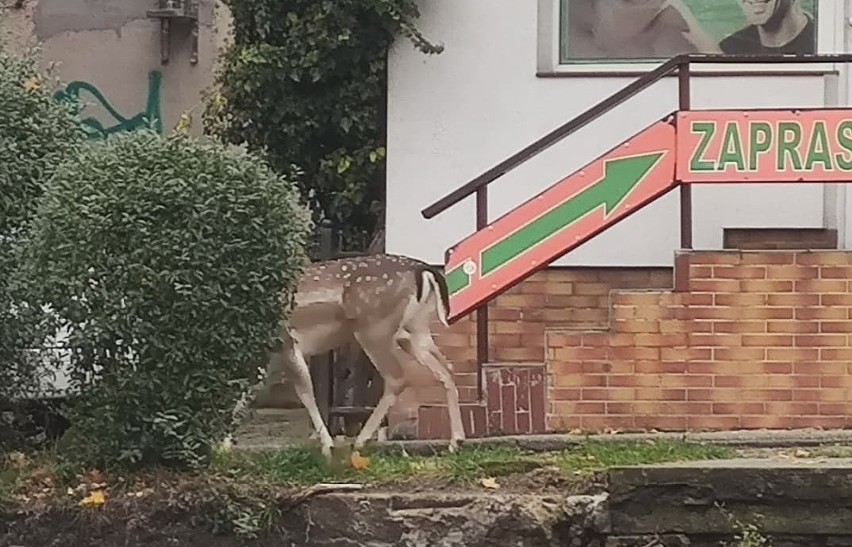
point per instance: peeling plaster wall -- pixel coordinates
(107, 50)
(111, 47)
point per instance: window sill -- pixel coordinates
(632, 70)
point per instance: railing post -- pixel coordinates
(685, 100)
(482, 311)
(324, 373)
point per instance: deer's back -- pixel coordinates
(335, 297)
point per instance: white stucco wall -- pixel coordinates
(455, 115)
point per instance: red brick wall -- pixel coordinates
(756, 340)
(555, 297)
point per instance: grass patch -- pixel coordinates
(297, 467)
(597, 455)
(300, 466)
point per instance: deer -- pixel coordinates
(382, 302)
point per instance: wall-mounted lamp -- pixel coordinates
(177, 11)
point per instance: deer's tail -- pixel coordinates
(431, 281)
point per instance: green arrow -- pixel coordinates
(621, 176)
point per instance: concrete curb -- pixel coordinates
(549, 443)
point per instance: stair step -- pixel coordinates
(433, 421)
(515, 403)
(752, 239)
(512, 364)
(807, 500)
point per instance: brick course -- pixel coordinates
(556, 297)
(754, 340)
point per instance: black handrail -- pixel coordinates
(583, 119)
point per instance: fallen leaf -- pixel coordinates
(96, 498)
(576, 432)
(490, 482)
(802, 453)
(18, 459)
(358, 461)
(424, 466)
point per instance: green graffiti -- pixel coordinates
(148, 118)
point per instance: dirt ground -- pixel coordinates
(164, 509)
(224, 511)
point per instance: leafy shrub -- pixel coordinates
(36, 133)
(306, 82)
(166, 259)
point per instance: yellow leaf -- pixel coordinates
(358, 461)
(490, 482)
(96, 498)
(32, 84)
(184, 124)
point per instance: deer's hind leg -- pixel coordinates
(416, 340)
(381, 349)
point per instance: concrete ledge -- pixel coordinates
(808, 498)
(544, 443)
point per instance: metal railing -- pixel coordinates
(679, 65)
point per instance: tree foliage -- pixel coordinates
(36, 134)
(305, 81)
(166, 260)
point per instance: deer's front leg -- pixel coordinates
(296, 367)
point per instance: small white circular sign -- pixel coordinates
(469, 267)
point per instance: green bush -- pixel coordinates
(168, 260)
(36, 134)
(306, 82)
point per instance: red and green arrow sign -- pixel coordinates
(561, 218)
